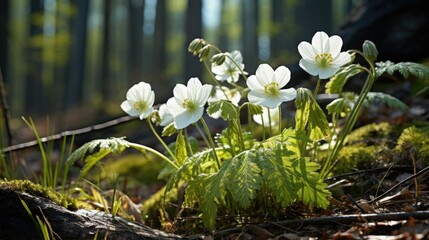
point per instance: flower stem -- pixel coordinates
(280, 119)
(145, 148)
(327, 167)
(161, 141)
(206, 128)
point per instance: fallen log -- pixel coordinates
(16, 222)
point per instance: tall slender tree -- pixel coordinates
(77, 63)
(105, 57)
(135, 39)
(250, 20)
(194, 30)
(4, 19)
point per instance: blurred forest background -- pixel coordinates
(74, 60)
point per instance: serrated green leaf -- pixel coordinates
(278, 180)
(313, 190)
(318, 123)
(387, 99)
(94, 151)
(243, 186)
(337, 82)
(181, 152)
(169, 130)
(404, 68)
(228, 111)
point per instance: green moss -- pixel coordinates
(156, 209)
(357, 156)
(140, 168)
(414, 140)
(370, 131)
(39, 191)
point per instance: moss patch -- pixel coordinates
(39, 191)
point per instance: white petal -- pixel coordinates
(318, 41)
(282, 74)
(271, 102)
(335, 43)
(327, 72)
(236, 55)
(186, 118)
(311, 67)
(180, 92)
(342, 59)
(256, 97)
(306, 50)
(127, 108)
(146, 113)
(203, 95)
(264, 74)
(287, 94)
(253, 84)
(173, 108)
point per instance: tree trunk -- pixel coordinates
(77, 64)
(193, 68)
(135, 48)
(4, 28)
(16, 223)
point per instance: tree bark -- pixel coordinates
(16, 223)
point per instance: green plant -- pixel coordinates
(235, 173)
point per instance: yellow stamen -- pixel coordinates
(324, 59)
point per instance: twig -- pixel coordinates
(379, 169)
(343, 219)
(426, 169)
(69, 133)
(5, 109)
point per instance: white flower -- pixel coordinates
(265, 87)
(140, 99)
(224, 93)
(228, 70)
(322, 57)
(164, 114)
(187, 105)
(273, 115)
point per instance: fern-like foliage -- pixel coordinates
(404, 68)
(95, 150)
(337, 82)
(288, 178)
(379, 97)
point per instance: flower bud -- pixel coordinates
(195, 46)
(218, 59)
(204, 52)
(369, 50)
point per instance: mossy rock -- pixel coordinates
(414, 142)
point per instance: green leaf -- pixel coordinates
(169, 130)
(94, 151)
(181, 152)
(337, 82)
(279, 181)
(206, 189)
(404, 68)
(228, 111)
(312, 190)
(302, 101)
(243, 186)
(254, 109)
(342, 105)
(308, 111)
(387, 99)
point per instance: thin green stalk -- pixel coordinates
(202, 134)
(239, 68)
(216, 82)
(161, 141)
(327, 167)
(144, 148)
(206, 128)
(188, 143)
(280, 119)
(270, 126)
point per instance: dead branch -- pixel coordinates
(16, 223)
